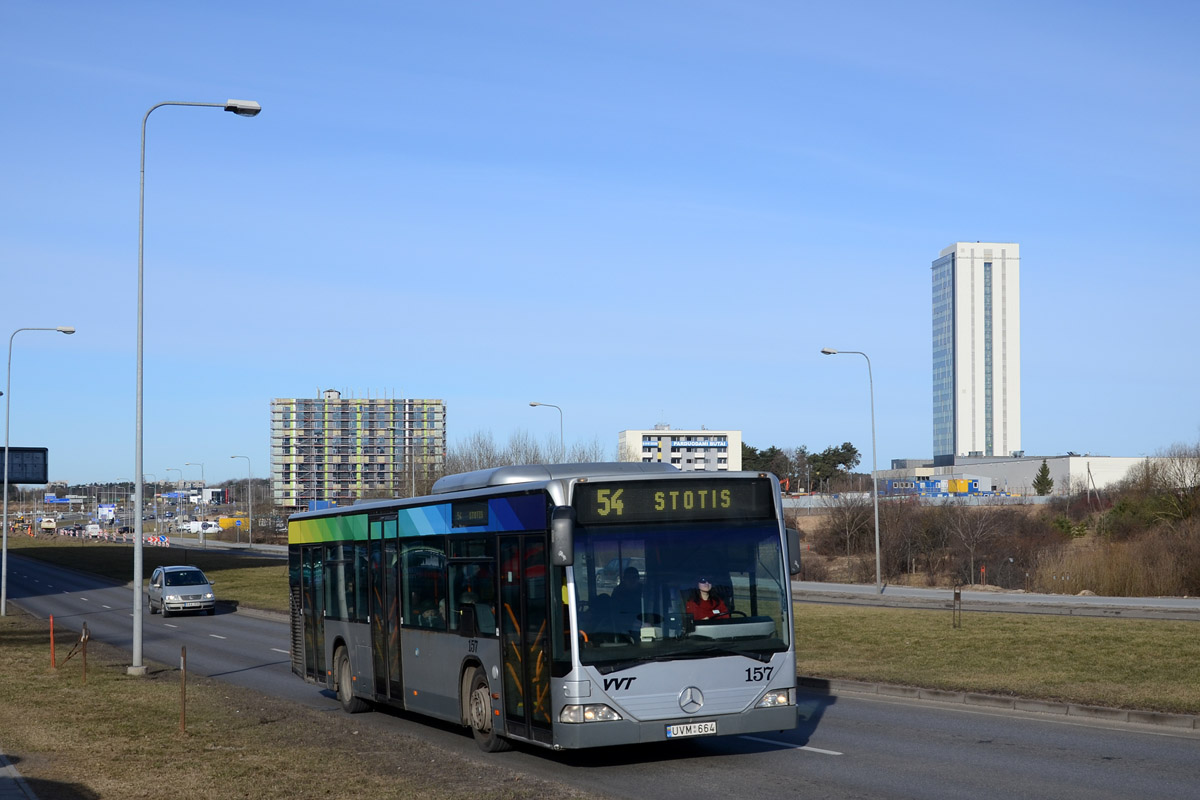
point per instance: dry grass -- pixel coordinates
(1156, 564)
(1125, 663)
(118, 736)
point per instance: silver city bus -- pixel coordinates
(569, 605)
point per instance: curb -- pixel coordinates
(976, 699)
(18, 789)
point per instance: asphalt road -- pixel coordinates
(849, 746)
(1184, 608)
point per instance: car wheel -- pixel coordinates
(479, 715)
(345, 684)
(166, 612)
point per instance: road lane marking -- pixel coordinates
(215, 636)
(277, 650)
(105, 606)
(822, 752)
(169, 625)
(800, 747)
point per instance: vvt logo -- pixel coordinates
(618, 684)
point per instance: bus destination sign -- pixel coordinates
(617, 502)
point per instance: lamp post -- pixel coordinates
(243, 108)
(178, 507)
(561, 448)
(829, 351)
(67, 329)
(203, 486)
(154, 493)
(249, 502)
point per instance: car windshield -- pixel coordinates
(187, 577)
(640, 596)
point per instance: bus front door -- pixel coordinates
(312, 609)
(525, 635)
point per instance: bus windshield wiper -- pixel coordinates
(711, 650)
(618, 666)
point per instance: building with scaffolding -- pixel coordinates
(335, 450)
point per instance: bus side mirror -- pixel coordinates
(562, 536)
(793, 551)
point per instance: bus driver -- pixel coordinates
(703, 603)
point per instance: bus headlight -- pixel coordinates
(593, 713)
(776, 697)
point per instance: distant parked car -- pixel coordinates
(124, 529)
(175, 589)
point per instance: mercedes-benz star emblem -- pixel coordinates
(691, 700)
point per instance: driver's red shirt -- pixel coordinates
(706, 609)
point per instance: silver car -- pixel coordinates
(174, 589)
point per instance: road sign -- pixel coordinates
(27, 465)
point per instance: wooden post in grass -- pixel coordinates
(52, 664)
(83, 640)
(956, 613)
(183, 689)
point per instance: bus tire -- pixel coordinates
(345, 684)
(479, 715)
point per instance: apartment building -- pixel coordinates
(689, 450)
(338, 450)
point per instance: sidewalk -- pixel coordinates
(12, 785)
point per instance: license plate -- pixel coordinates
(691, 729)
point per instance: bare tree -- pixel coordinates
(1179, 483)
(973, 526)
(588, 452)
(480, 451)
(850, 517)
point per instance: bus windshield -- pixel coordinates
(662, 592)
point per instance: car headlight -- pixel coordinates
(208, 595)
(592, 713)
(776, 697)
(172, 598)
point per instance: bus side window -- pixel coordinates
(474, 584)
(423, 567)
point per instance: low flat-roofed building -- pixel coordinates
(1015, 474)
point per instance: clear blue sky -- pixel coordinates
(641, 212)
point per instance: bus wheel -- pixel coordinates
(345, 686)
(479, 713)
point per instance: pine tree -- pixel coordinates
(1043, 484)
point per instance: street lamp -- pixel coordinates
(829, 351)
(203, 486)
(154, 492)
(561, 448)
(243, 108)
(178, 492)
(67, 329)
(249, 501)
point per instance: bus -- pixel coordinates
(549, 604)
